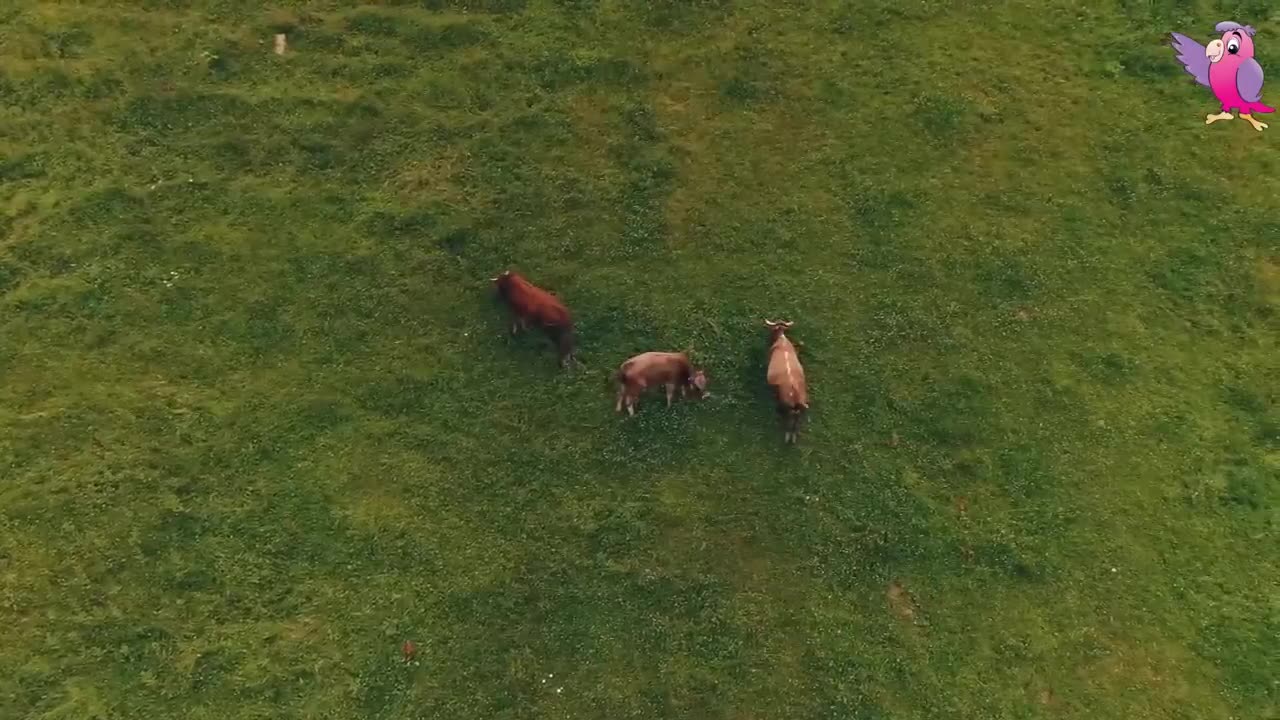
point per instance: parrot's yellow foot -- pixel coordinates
(1214, 118)
(1256, 125)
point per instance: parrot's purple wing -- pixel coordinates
(1249, 81)
(1191, 55)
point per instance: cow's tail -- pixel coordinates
(795, 416)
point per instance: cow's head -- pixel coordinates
(697, 383)
(502, 279)
(777, 328)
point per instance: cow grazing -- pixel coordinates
(531, 305)
(786, 376)
(651, 369)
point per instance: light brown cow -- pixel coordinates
(786, 376)
(651, 369)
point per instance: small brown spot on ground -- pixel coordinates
(962, 506)
(901, 602)
(282, 42)
(893, 441)
(1024, 314)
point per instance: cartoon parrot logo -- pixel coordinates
(1226, 66)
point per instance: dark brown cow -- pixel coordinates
(786, 377)
(531, 305)
(651, 369)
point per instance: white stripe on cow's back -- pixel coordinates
(787, 354)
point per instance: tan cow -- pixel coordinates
(651, 369)
(786, 376)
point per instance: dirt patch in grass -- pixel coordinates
(901, 603)
(434, 177)
(1047, 698)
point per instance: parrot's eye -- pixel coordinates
(1233, 47)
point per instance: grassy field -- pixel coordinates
(260, 422)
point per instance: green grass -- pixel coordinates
(260, 422)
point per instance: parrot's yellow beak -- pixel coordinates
(1214, 51)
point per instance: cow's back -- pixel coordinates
(786, 374)
(654, 366)
(784, 364)
(536, 304)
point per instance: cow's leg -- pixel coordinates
(633, 394)
(671, 391)
(622, 397)
(564, 343)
